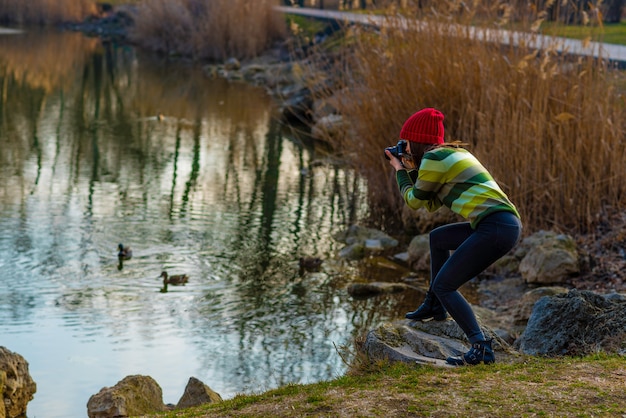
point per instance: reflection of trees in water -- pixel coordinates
(92, 150)
(109, 92)
(45, 60)
(195, 166)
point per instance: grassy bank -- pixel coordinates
(550, 127)
(567, 387)
(614, 33)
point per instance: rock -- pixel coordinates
(575, 323)
(232, 64)
(352, 252)
(17, 386)
(375, 288)
(505, 266)
(323, 107)
(373, 244)
(255, 73)
(524, 308)
(132, 396)
(398, 341)
(3, 383)
(495, 321)
(402, 257)
(383, 263)
(551, 258)
(356, 233)
(197, 393)
(358, 238)
(297, 106)
(414, 341)
(419, 253)
(330, 126)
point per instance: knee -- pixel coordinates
(438, 290)
(441, 289)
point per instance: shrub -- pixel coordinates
(209, 29)
(45, 12)
(550, 127)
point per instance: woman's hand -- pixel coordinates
(396, 163)
(408, 163)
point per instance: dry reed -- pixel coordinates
(549, 127)
(208, 29)
(45, 12)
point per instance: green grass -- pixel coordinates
(614, 33)
(564, 387)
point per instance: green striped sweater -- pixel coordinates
(455, 178)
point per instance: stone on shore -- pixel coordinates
(16, 384)
(418, 342)
(197, 393)
(576, 323)
(375, 288)
(551, 258)
(132, 396)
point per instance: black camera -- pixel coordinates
(398, 151)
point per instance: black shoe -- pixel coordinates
(481, 352)
(431, 308)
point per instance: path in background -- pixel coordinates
(614, 53)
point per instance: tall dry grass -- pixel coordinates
(45, 12)
(208, 29)
(549, 127)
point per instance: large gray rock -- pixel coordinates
(16, 384)
(545, 257)
(576, 323)
(419, 342)
(132, 396)
(197, 393)
(550, 258)
(525, 306)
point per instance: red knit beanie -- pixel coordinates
(425, 127)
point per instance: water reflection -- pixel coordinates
(100, 146)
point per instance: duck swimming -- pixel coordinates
(175, 280)
(125, 252)
(309, 264)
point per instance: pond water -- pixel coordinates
(99, 146)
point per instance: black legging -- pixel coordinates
(474, 251)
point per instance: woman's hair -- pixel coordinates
(455, 144)
(418, 149)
